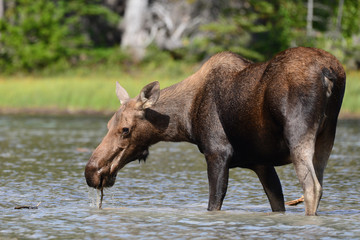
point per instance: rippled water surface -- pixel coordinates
(42, 159)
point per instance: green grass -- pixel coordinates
(94, 89)
(351, 102)
(83, 89)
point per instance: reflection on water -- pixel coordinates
(42, 160)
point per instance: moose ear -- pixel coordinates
(121, 93)
(149, 95)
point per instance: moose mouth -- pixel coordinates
(106, 180)
(106, 175)
(99, 179)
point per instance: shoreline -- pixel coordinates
(344, 115)
(54, 112)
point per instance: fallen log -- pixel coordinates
(295, 202)
(28, 206)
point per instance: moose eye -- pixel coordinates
(125, 131)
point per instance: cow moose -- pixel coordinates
(239, 114)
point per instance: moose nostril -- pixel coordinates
(92, 176)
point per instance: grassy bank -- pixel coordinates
(94, 90)
(351, 102)
(83, 89)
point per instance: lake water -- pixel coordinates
(42, 159)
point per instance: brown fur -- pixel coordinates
(239, 114)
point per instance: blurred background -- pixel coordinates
(67, 54)
(63, 57)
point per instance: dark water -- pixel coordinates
(42, 160)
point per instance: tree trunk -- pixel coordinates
(309, 19)
(339, 16)
(2, 7)
(134, 36)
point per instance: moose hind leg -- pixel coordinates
(302, 155)
(272, 186)
(323, 147)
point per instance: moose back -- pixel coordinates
(239, 114)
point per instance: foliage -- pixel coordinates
(351, 18)
(53, 35)
(259, 29)
(256, 29)
(41, 38)
(344, 43)
(226, 34)
(30, 40)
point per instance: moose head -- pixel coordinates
(128, 137)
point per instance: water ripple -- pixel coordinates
(166, 198)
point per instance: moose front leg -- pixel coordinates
(218, 175)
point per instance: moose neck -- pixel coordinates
(171, 114)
